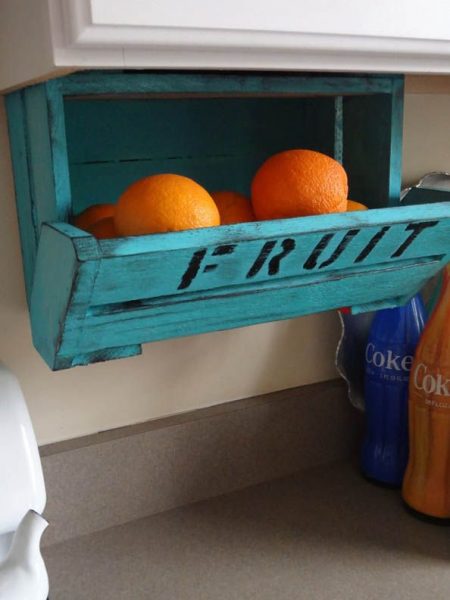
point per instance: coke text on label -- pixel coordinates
(390, 360)
(431, 383)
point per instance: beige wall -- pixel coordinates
(426, 144)
(179, 375)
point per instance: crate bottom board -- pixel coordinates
(112, 332)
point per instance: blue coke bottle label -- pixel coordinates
(389, 355)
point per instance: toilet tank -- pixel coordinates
(21, 479)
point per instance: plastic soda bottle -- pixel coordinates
(426, 487)
(392, 341)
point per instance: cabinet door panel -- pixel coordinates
(384, 18)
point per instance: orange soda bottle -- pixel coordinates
(426, 485)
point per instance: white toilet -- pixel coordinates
(22, 495)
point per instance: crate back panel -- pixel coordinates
(221, 142)
(218, 142)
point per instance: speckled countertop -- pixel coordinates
(325, 534)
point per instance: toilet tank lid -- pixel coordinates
(21, 475)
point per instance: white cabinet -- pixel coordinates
(43, 37)
(384, 18)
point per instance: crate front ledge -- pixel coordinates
(96, 300)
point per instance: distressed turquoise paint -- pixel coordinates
(62, 313)
(396, 143)
(257, 303)
(39, 156)
(102, 82)
(339, 129)
(132, 276)
(269, 229)
(57, 132)
(154, 136)
(56, 272)
(97, 300)
(24, 200)
(381, 304)
(120, 303)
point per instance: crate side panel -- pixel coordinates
(219, 142)
(62, 289)
(24, 193)
(268, 302)
(40, 155)
(56, 271)
(371, 149)
(210, 263)
(57, 127)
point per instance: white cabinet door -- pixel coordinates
(414, 19)
(364, 35)
(40, 38)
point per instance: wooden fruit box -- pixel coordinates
(82, 139)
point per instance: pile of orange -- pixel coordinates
(352, 205)
(299, 183)
(233, 208)
(293, 183)
(98, 220)
(163, 203)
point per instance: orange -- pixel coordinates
(162, 203)
(94, 213)
(103, 229)
(298, 183)
(352, 205)
(233, 207)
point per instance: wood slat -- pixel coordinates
(396, 142)
(214, 83)
(260, 303)
(59, 159)
(107, 130)
(40, 156)
(234, 261)
(24, 200)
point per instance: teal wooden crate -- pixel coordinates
(83, 139)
